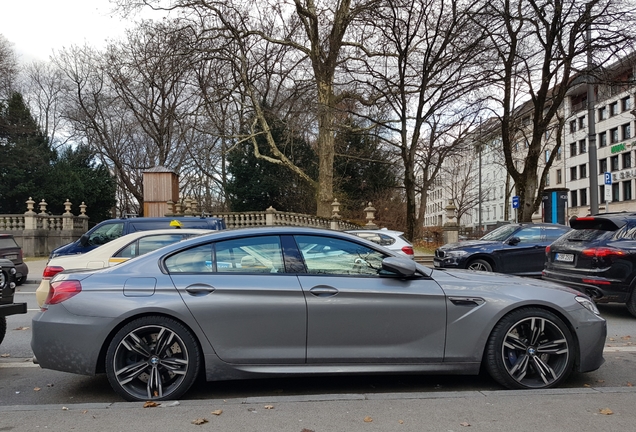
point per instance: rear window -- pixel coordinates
(7, 242)
(588, 235)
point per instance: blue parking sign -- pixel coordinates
(608, 178)
(515, 202)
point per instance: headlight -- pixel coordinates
(588, 304)
(455, 253)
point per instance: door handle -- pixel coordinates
(200, 289)
(323, 291)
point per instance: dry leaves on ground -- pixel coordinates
(217, 412)
(464, 424)
(5, 355)
(150, 404)
(37, 389)
(606, 411)
(368, 419)
(269, 407)
(199, 421)
(21, 328)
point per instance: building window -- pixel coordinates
(573, 149)
(614, 163)
(613, 109)
(602, 165)
(547, 155)
(559, 176)
(583, 194)
(547, 179)
(581, 122)
(626, 103)
(583, 171)
(627, 160)
(573, 199)
(602, 139)
(582, 146)
(602, 113)
(613, 135)
(558, 154)
(573, 126)
(627, 131)
(627, 190)
(573, 173)
(616, 192)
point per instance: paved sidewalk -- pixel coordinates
(580, 410)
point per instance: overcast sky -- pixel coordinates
(37, 27)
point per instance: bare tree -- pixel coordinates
(8, 68)
(539, 48)
(423, 77)
(313, 33)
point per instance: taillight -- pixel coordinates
(547, 250)
(602, 252)
(62, 290)
(50, 271)
(408, 250)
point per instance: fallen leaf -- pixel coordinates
(84, 412)
(368, 419)
(465, 424)
(150, 404)
(26, 328)
(156, 393)
(37, 389)
(217, 412)
(64, 409)
(623, 338)
(629, 384)
(612, 339)
(586, 385)
(401, 421)
(269, 407)
(606, 411)
(199, 421)
(5, 355)
(600, 381)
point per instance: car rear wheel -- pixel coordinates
(20, 280)
(480, 265)
(530, 349)
(152, 358)
(631, 303)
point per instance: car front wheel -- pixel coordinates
(631, 302)
(530, 349)
(480, 265)
(152, 358)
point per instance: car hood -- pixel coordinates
(474, 244)
(497, 280)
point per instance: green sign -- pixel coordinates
(618, 148)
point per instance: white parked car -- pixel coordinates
(112, 253)
(392, 240)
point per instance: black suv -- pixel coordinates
(517, 248)
(7, 289)
(597, 257)
(11, 250)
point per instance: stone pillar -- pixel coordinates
(67, 217)
(30, 220)
(335, 216)
(269, 216)
(84, 217)
(370, 216)
(451, 229)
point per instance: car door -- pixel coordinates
(527, 256)
(250, 310)
(356, 315)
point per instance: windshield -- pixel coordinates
(501, 233)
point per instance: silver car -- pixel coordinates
(288, 301)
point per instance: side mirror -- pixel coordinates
(401, 266)
(514, 241)
(83, 240)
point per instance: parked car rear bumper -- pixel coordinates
(606, 291)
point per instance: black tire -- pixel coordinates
(20, 280)
(479, 265)
(530, 348)
(3, 328)
(631, 302)
(152, 358)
